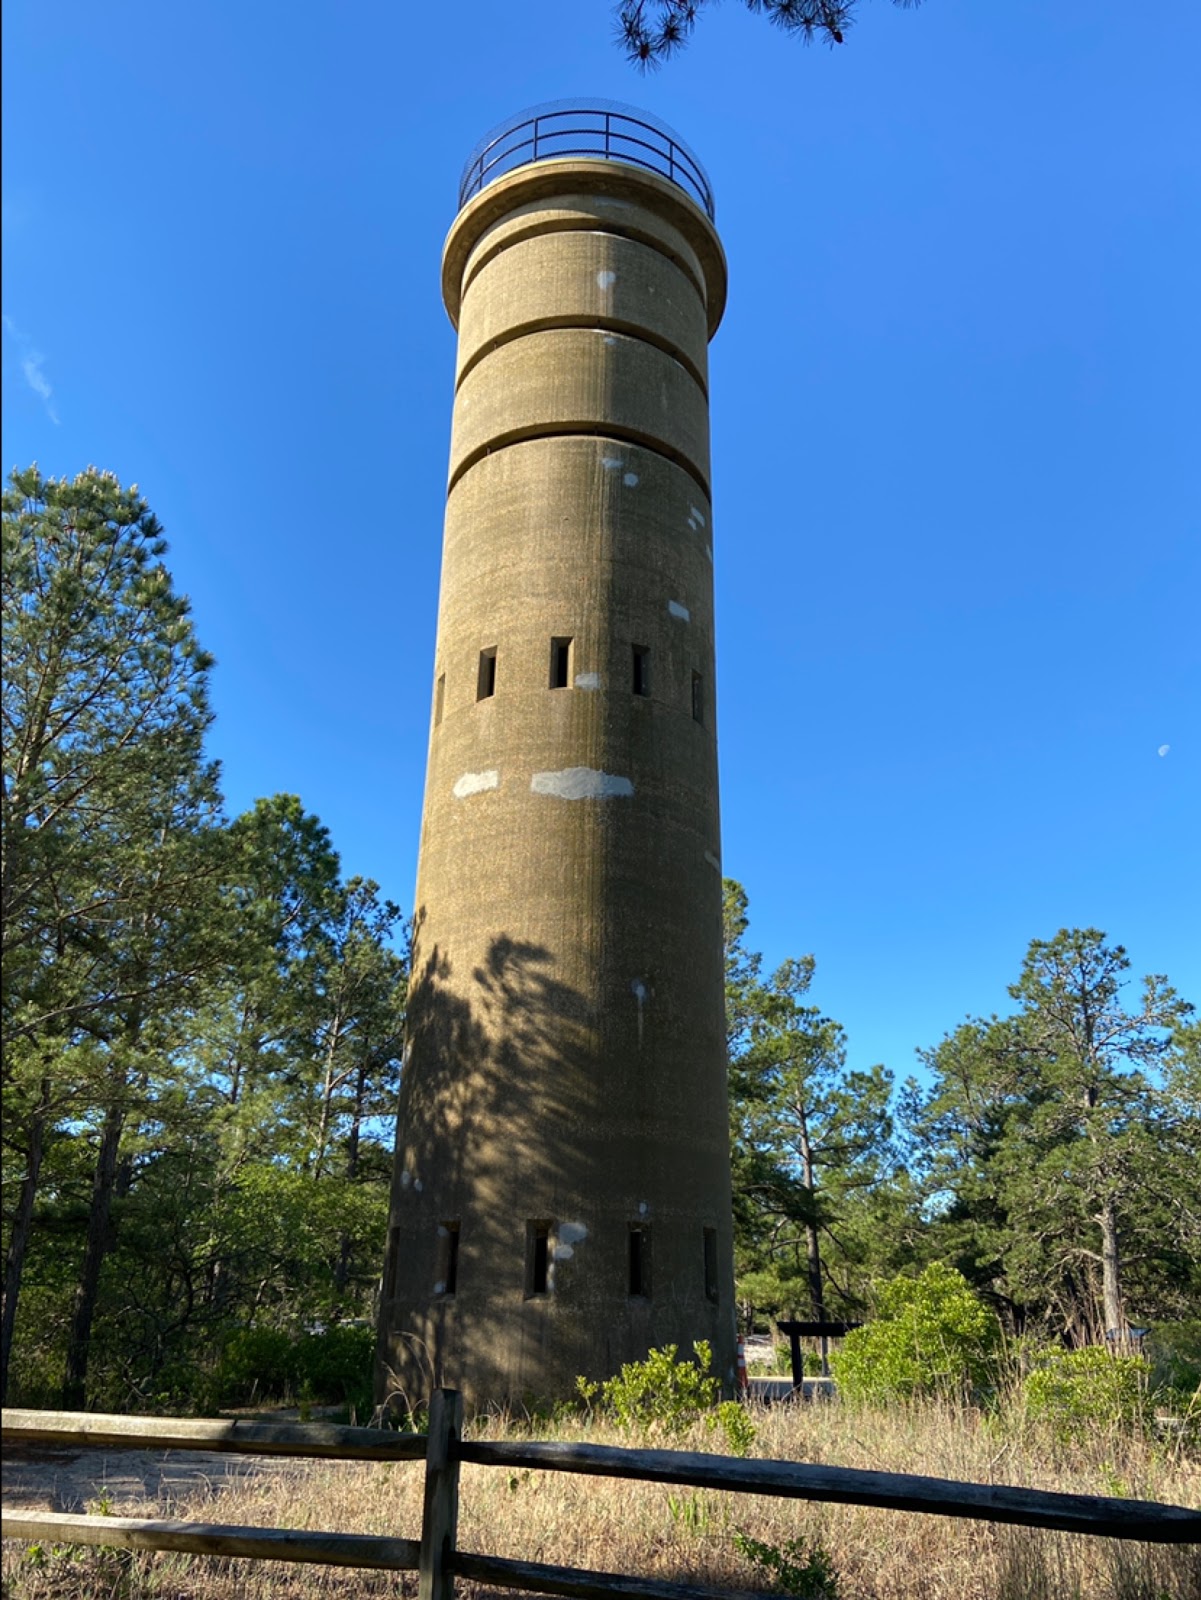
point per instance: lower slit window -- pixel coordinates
(393, 1261)
(446, 1280)
(641, 684)
(486, 683)
(537, 1258)
(711, 1265)
(698, 698)
(560, 663)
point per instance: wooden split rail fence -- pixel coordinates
(436, 1556)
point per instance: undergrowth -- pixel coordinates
(750, 1542)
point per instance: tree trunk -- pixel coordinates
(99, 1242)
(332, 1080)
(813, 1253)
(1111, 1277)
(342, 1270)
(18, 1243)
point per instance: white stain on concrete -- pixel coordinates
(610, 463)
(587, 680)
(609, 339)
(417, 1185)
(406, 1179)
(713, 860)
(677, 610)
(476, 783)
(439, 1287)
(581, 783)
(643, 1208)
(630, 479)
(567, 1236)
(605, 280)
(696, 521)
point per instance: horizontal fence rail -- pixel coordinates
(217, 1539)
(1146, 1520)
(111, 1430)
(539, 1578)
(436, 1556)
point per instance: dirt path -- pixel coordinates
(49, 1478)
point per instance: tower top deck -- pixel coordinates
(598, 130)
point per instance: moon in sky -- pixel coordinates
(1163, 749)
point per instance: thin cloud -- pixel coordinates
(31, 367)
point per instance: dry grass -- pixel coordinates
(648, 1529)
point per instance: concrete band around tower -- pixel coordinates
(561, 1198)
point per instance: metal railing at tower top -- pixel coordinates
(595, 129)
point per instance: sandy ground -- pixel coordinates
(40, 1477)
(49, 1478)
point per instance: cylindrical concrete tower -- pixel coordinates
(561, 1197)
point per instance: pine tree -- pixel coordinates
(809, 1137)
(111, 833)
(651, 31)
(1059, 1144)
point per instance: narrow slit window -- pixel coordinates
(698, 698)
(452, 1257)
(560, 663)
(439, 698)
(537, 1258)
(486, 686)
(446, 1279)
(642, 670)
(640, 1262)
(393, 1259)
(711, 1265)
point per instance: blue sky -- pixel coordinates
(955, 430)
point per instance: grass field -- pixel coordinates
(850, 1553)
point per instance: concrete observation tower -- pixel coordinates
(561, 1194)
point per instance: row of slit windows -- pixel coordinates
(561, 651)
(539, 1257)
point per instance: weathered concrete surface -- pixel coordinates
(565, 1074)
(598, 281)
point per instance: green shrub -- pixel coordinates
(931, 1335)
(336, 1364)
(668, 1396)
(659, 1393)
(740, 1431)
(256, 1364)
(1079, 1392)
(1174, 1349)
(795, 1567)
(332, 1366)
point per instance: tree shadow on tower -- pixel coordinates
(501, 1133)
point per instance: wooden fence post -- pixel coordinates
(440, 1511)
